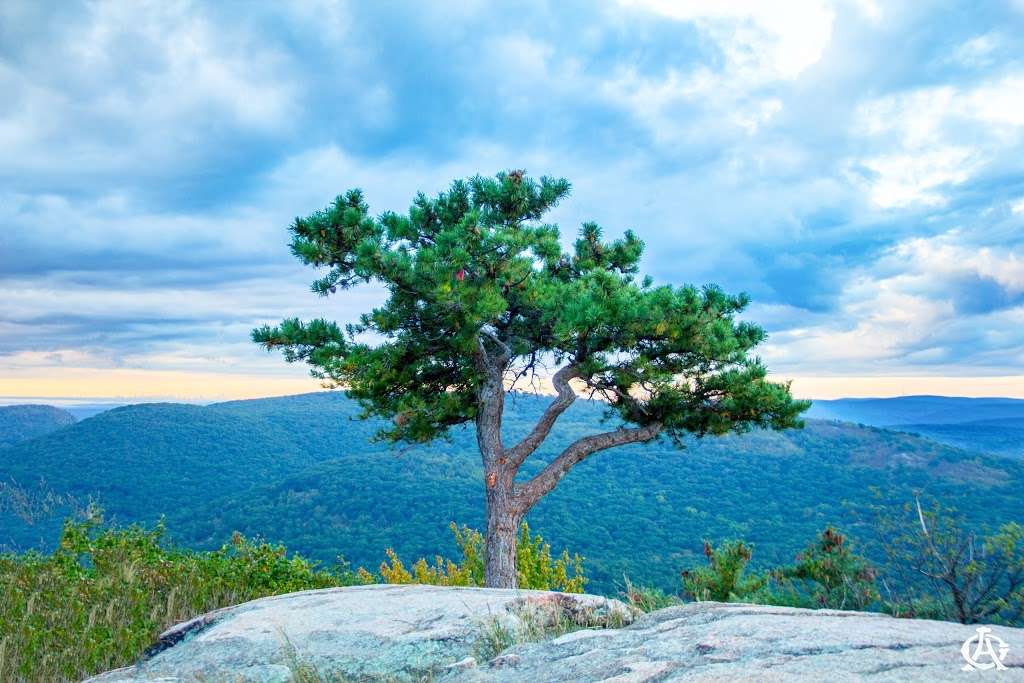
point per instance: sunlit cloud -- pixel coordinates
(759, 41)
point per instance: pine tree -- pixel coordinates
(481, 295)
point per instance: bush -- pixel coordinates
(723, 579)
(827, 574)
(106, 593)
(648, 598)
(939, 567)
(534, 564)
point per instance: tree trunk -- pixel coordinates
(503, 518)
(503, 512)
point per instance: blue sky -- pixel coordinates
(857, 167)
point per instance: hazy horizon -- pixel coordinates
(113, 401)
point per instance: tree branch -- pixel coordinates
(532, 491)
(518, 454)
(506, 352)
(988, 586)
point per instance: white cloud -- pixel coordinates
(732, 136)
(117, 223)
(763, 44)
(761, 41)
(192, 66)
(877, 323)
(135, 87)
(945, 256)
(918, 178)
(977, 51)
(930, 138)
(870, 9)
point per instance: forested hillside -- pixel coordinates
(302, 471)
(23, 422)
(145, 460)
(998, 436)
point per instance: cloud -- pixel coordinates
(854, 166)
(943, 302)
(946, 257)
(759, 42)
(942, 135)
(120, 93)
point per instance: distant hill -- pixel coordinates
(22, 422)
(84, 410)
(903, 410)
(991, 425)
(301, 470)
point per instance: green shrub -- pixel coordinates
(106, 593)
(539, 571)
(827, 574)
(723, 580)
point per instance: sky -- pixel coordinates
(856, 167)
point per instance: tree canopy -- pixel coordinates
(476, 279)
(475, 269)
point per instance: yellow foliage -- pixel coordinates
(396, 571)
(537, 570)
(535, 566)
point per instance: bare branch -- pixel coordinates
(518, 454)
(529, 368)
(612, 393)
(948, 569)
(532, 491)
(920, 516)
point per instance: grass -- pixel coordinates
(647, 599)
(303, 671)
(536, 620)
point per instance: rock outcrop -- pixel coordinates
(756, 644)
(363, 633)
(414, 633)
